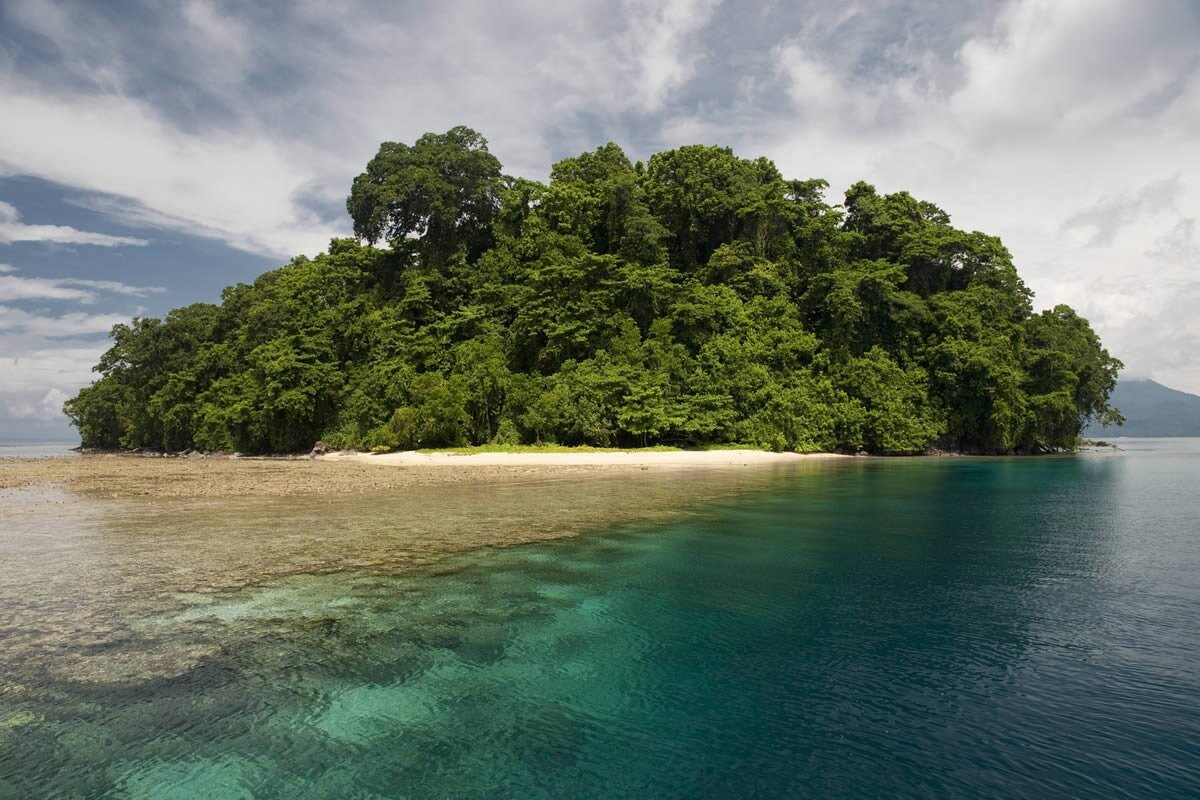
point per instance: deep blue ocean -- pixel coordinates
(949, 627)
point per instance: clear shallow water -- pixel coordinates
(38, 449)
(951, 627)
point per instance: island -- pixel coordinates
(698, 299)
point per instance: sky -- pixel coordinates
(152, 153)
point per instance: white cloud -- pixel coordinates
(1106, 219)
(812, 85)
(114, 287)
(662, 46)
(44, 408)
(220, 33)
(82, 290)
(62, 326)
(1074, 64)
(238, 183)
(16, 288)
(1064, 126)
(247, 169)
(39, 375)
(34, 365)
(44, 359)
(1085, 166)
(208, 151)
(13, 230)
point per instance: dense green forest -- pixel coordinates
(698, 298)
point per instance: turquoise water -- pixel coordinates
(899, 628)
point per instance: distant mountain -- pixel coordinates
(1151, 409)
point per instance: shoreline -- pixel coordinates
(119, 546)
(581, 458)
(126, 476)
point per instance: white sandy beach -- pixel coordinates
(112, 475)
(583, 458)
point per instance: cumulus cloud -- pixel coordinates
(1064, 126)
(274, 128)
(13, 230)
(44, 408)
(1075, 65)
(233, 182)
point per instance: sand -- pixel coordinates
(582, 458)
(121, 476)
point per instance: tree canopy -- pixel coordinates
(699, 298)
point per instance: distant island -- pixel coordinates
(697, 299)
(1151, 409)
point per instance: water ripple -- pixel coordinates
(901, 629)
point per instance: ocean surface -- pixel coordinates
(37, 449)
(870, 628)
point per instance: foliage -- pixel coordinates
(698, 300)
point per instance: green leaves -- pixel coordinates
(706, 197)
(700, 299)
(445, 190)
(1068, 375)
